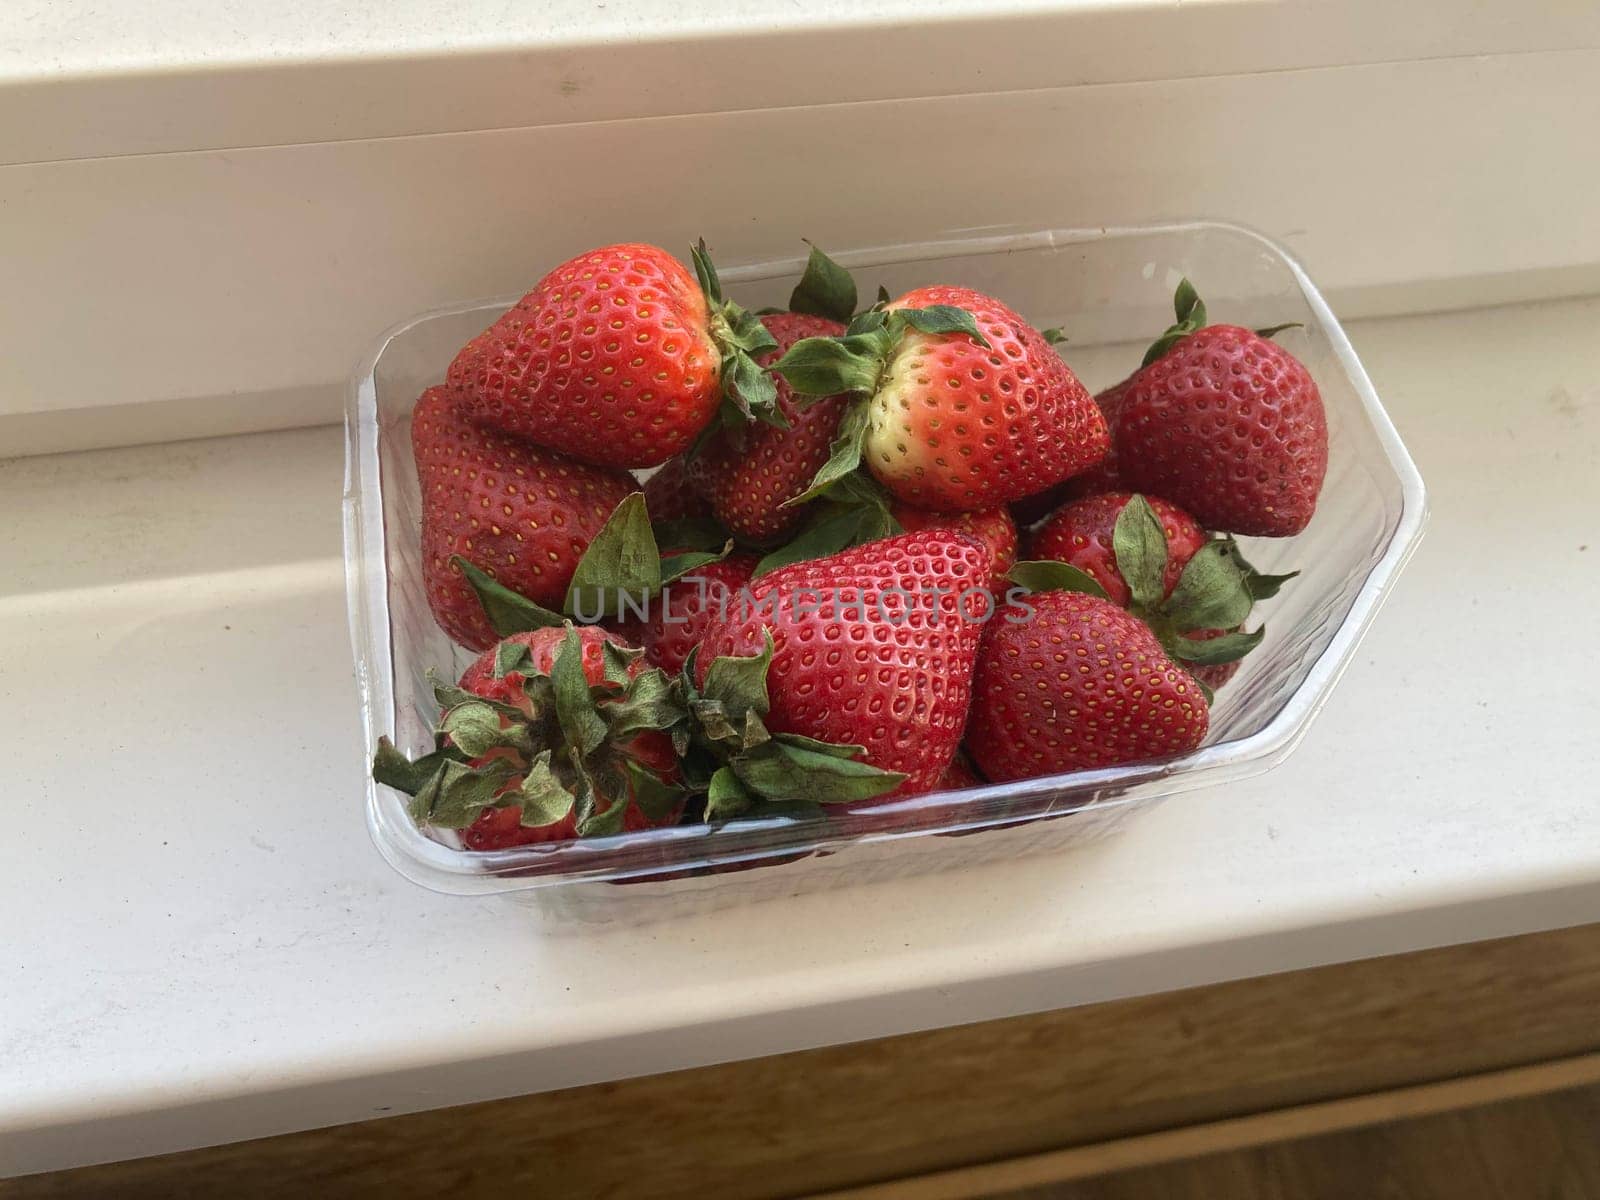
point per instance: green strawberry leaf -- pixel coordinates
(939, 318)
(752, 390)
(825, 290)
(706, 272)
(780, 771)
(1046, 575)
(829, 531)
(580, 723)
(652, 700)
(657, 799)
(463, 792)
(477, 729)
(393, 769)
(621, 561)
(883, 296)
(1053, 336)
(801, 742)
(871, 321)
(726, 797)
(675, 566)
(1271, 330)
(1190, 311)
(1140, 546)
(510, 656)
(542, 797)
(619, 661)
(449, 696)
(826, 366)
(738, 683)
(508, 611)
(844, 454)
(1230, 647)
(607, 821)
(1262, 587)
(1206, 690)
(1211, 592)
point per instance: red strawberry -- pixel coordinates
(749, 473)
(521, 513)
(1153, 559)
(994, 529)
(1102, 477)
(669, 496)
(1078, 684)
(1081, 534)
(507, 771)
(959, 774)
(617, 357)
(1226, 423)
(871, 648)
(686, 608)
(951, 423)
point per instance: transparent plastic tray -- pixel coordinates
(1111, 290)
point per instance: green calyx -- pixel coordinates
(559, 748)
(825, 290)
(620, 571)
(564, 747)
(748, 771)
(748, 393)
(1190, 313)
(1217, 589)
(855, 361)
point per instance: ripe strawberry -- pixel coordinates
(1102, 477)
(521, 513)
(617, 357)
(1078, 684)
(670, 496)
(680, 616)
(959, 774)
(507, 772)
(1226, 423)
(749, 473)
(871, 647)
(965, 405)
(1153, 559)
(994, 529)
(1081, 533)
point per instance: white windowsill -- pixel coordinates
(204, 946)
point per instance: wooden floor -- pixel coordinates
(1543, 1148)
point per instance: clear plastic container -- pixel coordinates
(1111, 290)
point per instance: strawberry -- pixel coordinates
(1152, 558)
(670, 495)
(1081, 533)
(994, 529)
(515, 761)
(751, 473)
(872, 647)
(522, 514)
(1074, 684)
(1226, 423)
(679, 617)
(959, 774)
(617, 357)
(962, 406)
(1102, 477)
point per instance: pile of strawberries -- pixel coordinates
(816, 598)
